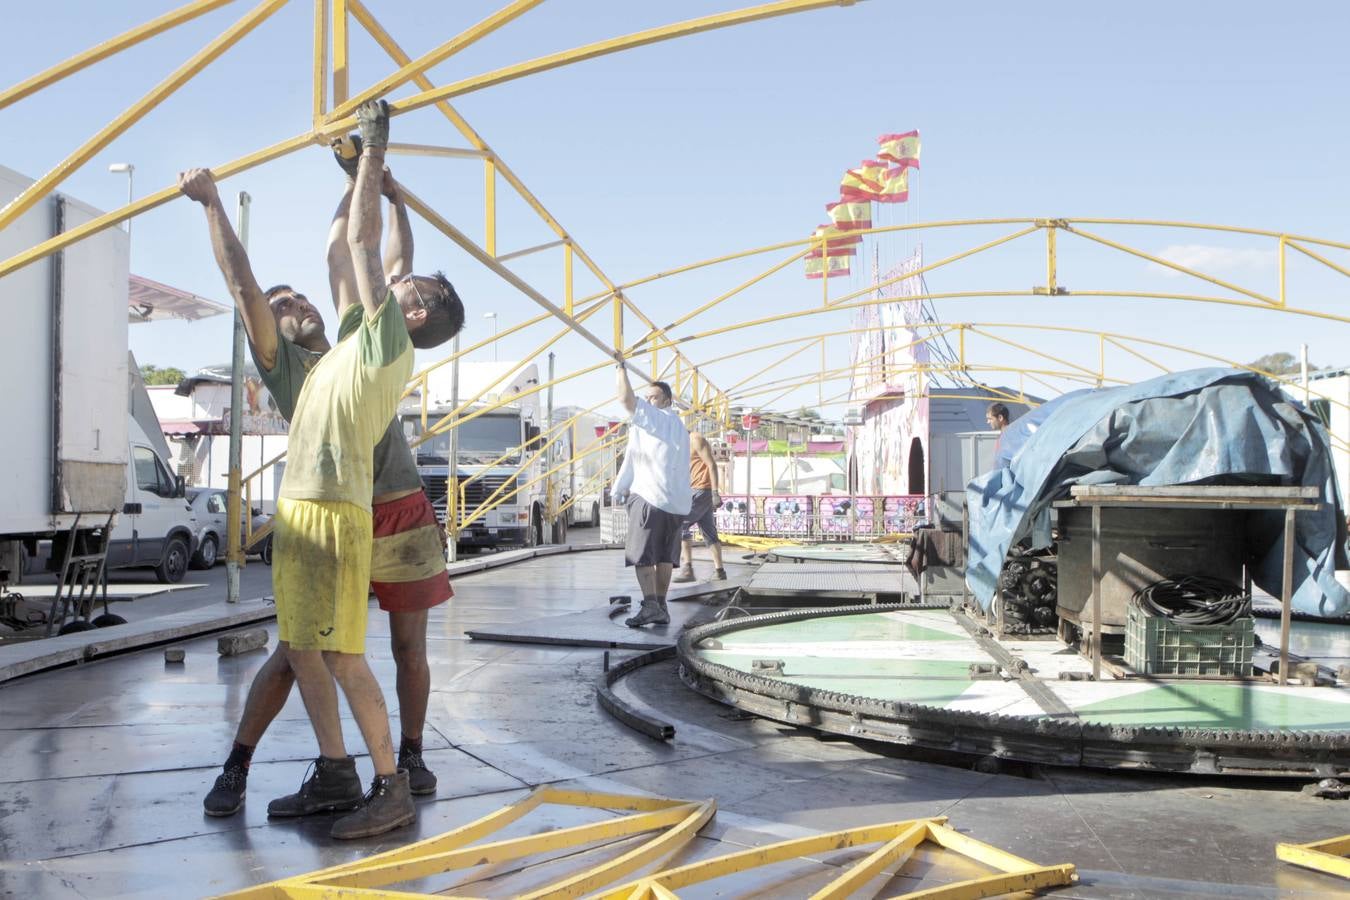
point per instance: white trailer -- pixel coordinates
(63, 461)
(74, 408)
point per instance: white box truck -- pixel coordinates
(490, 460)
(78, 452)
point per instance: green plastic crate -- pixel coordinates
(1154, 645)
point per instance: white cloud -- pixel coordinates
(1212, 260)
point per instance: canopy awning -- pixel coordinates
(150, 301)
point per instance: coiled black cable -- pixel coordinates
(1195, 600)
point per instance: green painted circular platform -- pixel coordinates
(912, 676)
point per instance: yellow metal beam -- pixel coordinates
(107, 48)
(341, 48)
(592, 51)
(160, 197)
(515, 848)
(489, 206)
(777, 267)
(1325, 856)
(892, 854)
(434, 150)
(411, 70)
(1167, 263)
(320, 80)
(134, 113)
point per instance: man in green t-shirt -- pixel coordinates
(431, 313)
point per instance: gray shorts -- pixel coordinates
(701, 514)
(653, 534)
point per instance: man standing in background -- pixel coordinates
(654, 485)
(703, 481)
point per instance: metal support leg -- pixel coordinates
(1286, 594)
(1096, 593)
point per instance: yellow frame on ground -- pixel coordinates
(678, 821)
(1328, 856)
(898, 842)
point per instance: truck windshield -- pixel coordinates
(481, 440)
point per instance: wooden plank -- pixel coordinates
(1235, 492)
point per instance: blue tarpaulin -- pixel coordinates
(1205, 426)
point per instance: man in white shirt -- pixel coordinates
(654, 484)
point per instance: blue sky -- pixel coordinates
(1222, 113)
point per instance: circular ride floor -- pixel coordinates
(906, 675)
(836, 552)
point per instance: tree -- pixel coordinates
(805, 413)
(156, 375)
(1280, 364)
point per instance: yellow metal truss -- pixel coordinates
(898, 842)
(676, 821)
(1331, 856)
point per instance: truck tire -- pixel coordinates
(206, 554)
(559, 530)
(534, 533)
(266, 554)
(174, 565)
(595, 515)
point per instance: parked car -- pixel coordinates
(209, 505)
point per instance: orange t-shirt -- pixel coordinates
(700, 477)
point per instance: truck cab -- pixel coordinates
(494, 455)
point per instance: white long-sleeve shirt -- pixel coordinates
(656, 463)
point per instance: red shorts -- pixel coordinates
(407, 560)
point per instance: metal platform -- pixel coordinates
(815, 581)
(925, 678)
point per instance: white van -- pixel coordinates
(157, 528)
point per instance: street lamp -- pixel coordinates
(493, 317)
(129, 169)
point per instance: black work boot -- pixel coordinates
(653, 612)
(720, 575)
(333, 786)
(684, 576)
(388, 805)
(421, 780)
(227, 795)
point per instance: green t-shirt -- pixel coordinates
(345, 406)
(395, 468)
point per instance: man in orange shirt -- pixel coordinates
(703, 479)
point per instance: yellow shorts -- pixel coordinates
(321, 574)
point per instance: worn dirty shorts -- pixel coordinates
(321, 574)
(701, 514)
(407, 561)
(653, 534)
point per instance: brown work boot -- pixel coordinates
(653, 612)
(334, 786)
(684, 575)
(389, 805)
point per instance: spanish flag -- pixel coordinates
(894, 186)
(901, 149)
(864, 182)
(850, 215)
(834, 237)
(830, 267)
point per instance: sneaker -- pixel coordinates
(720, 575)
(227, 794)
(333, 786)
(684, 575)
(653, 612)
(388, 805)
(421, 780)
